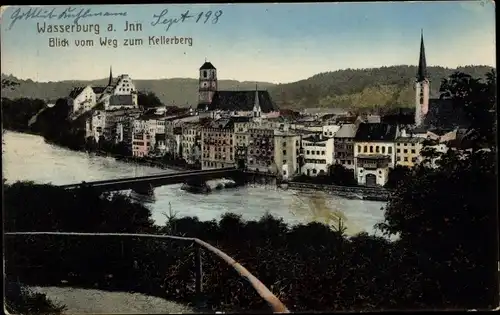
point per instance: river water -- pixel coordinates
(28, 157)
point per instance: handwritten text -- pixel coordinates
(69, 13)
(202, 17)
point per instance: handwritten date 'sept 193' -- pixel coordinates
(202, 17)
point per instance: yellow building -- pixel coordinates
(408, 151)
(217, 143)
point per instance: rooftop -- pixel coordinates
(207, 66)
(241, 101)
(376, 132)
(346, 131)
(315, 138)
(373, 156)
(409, 139)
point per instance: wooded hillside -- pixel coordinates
(386, 86)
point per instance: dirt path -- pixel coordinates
(86, 301)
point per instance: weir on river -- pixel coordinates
(28, 157)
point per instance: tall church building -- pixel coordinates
(422, 87)
(207, 85)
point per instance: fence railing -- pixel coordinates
(276, 305)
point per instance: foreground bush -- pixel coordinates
(23, 301)
(435, 264)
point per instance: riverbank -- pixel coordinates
(357, 192)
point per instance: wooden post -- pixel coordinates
(199, 270)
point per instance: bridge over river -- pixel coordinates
(141, 182)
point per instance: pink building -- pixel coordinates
(141, 144)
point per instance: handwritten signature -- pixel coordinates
(52, 14)
(202, 17)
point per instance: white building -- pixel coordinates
(82, 99)
(122, 94)
(96, 125)
(330, 130)
(318, 154)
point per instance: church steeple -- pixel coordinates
(422, 65)
(110, 76)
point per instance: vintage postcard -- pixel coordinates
(192, 158)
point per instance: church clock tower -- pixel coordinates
(421, 87)
(207, 85)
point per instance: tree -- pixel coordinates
(447, 217)
(477, 98)
(397, 176)
(148, 100)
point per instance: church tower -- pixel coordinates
(110, 77)
(421, 86)
(207, 85)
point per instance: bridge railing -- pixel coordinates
(275, 304)
(127, 179)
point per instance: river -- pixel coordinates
(28, 157)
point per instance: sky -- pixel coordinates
(276, 43)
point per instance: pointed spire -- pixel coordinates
(256, 101)
(422, 65)
(110, 76)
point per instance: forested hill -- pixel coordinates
(385, 86)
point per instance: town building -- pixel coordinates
(191, 142)
(160, 148)
(260, 150)
(372, 170)
(330, 130)
(375, 139)
(241, 137)
(141, 144)
(81, 99)
(318, 155)
(374, 152)
(120, 94)
(408, 151)
(286, 153)
(217, 144)
(344, 145)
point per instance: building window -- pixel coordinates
(371, 149)
(406, 159)
(405, 151)
(365, 149)
(389, 150)
(322, 152)
(383, 150)
(359, 148)
(413, 151)
(205, 73)
(377, 149)
(284, 152)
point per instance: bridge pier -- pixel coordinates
(144, 189)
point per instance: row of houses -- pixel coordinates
(367, 146)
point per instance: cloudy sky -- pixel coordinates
(250, 42)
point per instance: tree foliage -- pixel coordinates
(148, 100)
